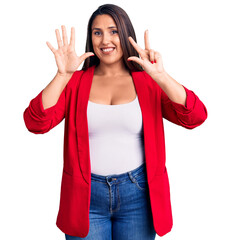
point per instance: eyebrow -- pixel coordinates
(100, 28)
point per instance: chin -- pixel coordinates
(110, 61)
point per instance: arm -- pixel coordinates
(179, 104)
(47, 109)
(53, 90)
(174, 90)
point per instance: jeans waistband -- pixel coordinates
(119, 177)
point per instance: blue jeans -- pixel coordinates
(120, 207)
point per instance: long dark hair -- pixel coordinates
(125, 29)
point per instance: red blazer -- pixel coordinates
(73, 214)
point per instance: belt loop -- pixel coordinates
(131, 177)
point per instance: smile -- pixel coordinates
(107, 50)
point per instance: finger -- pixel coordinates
(151, 55)
(64, 32)
(51, 48)
(86, 55)
(72, 40)
(146, 40)
(158, 58)
(135, 45)
(58, 38)
(136, 59)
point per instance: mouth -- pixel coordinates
(107, 50)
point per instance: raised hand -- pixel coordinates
(65, 56)
(150, 60)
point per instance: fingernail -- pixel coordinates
(128, 60)
(152, 62)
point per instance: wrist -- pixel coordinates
(160, 77)
(63, 76)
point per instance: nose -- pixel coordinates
(106, 38)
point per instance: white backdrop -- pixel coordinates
(194, 40)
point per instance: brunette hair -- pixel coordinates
(125, 29)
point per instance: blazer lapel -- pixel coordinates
(142, 90)
(82, 125)
(146, 105)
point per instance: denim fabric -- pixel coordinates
(120, 207)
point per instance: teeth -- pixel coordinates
(107, 49)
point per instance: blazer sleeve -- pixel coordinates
(189, 116)
(38, 120)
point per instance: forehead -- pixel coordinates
(103, 21)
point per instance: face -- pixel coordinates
(105, 39)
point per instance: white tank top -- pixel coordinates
(115, 137)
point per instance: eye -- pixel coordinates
(115, 31)
(95, 33)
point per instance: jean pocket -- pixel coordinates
(140, 181)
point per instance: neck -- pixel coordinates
(109, 70)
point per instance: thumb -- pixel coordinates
(86, 55)
(136, 59)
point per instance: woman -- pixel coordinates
(115, 182)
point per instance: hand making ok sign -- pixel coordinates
(150, 60)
